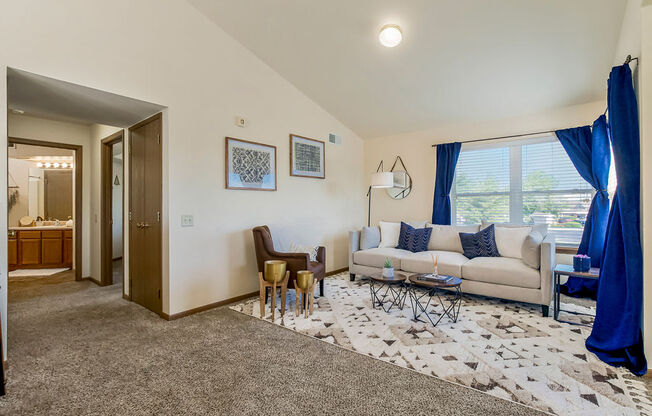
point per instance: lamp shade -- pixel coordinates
(382, 180)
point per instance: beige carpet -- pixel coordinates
(79, 349)
(505, 349)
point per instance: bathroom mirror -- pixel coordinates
(40, 183)
(402, 181)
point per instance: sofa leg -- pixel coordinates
(545, 309)
(352, 276)
(321, 287)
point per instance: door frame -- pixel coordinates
(158, 116)
(106, 207)
(79, 169)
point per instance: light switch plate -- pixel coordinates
(187, 221)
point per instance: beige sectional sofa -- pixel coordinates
(501, 277)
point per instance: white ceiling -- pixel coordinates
(460, 60)
(51, 98)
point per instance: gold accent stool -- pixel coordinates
(276, 276)
(305, 285)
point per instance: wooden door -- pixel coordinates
(145, 199)
(67, 248)
(58, 194)
(12, 252)
(30, 251)
(52, 247)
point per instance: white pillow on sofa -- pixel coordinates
(540, 228)
(447, 237)
(510, 238)
(389, 233)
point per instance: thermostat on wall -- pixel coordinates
(240, 121)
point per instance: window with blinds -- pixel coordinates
(529, 181)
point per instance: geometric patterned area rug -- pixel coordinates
(502, 348)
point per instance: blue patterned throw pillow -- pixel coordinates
(413, 239)
(480, 244)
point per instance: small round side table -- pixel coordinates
(390, 291)
(431, 290)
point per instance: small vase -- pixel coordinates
(388, 272)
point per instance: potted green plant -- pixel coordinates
(388, 270)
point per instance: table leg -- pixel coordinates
(263, 290)
(556, 298)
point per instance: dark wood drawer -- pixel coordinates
(29, 234)
(67, 233)
(51, 234)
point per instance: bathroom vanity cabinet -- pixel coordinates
(40, 247)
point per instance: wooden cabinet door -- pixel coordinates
(30, 251)
(13, 252)
(52, 250)
(67, 251)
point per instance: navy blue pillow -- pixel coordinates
(413, 239)
(480, 244)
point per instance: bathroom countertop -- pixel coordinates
(39, 228)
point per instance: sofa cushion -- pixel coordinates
(389, 232)
(369, 237)
(447, 237)
(480, 244)
(418, 224)
(540, 228)
(375, 257)
(531, 251)
(450, 262)
(501, 270)
(413, 239)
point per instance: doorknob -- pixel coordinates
(145, 225)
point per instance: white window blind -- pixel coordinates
(528, 181)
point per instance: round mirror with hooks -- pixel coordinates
(402, 181)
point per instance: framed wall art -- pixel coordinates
(307, 157)
(250, 165)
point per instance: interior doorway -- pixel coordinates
(45, 233)
(112, 211)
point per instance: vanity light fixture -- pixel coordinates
(390, 35)
(48, 164)
(64, 165)
(39, 165)
(55, 164)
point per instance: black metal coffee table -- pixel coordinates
(422, 288)
(390, 291)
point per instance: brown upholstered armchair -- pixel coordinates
(295, 261)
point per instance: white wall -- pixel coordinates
(19, 171)
(117, 205)
(172, 55)
(26, 127)
(419, 156)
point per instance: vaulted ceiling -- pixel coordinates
(460, 60)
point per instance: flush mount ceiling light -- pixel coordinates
(390, 35)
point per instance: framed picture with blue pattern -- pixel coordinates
(307, 157)
(250, 165)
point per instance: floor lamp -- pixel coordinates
(379, 179)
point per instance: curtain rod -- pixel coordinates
(510, 136)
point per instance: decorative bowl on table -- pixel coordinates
(581, 263)
(275, 270)
(305, 279)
